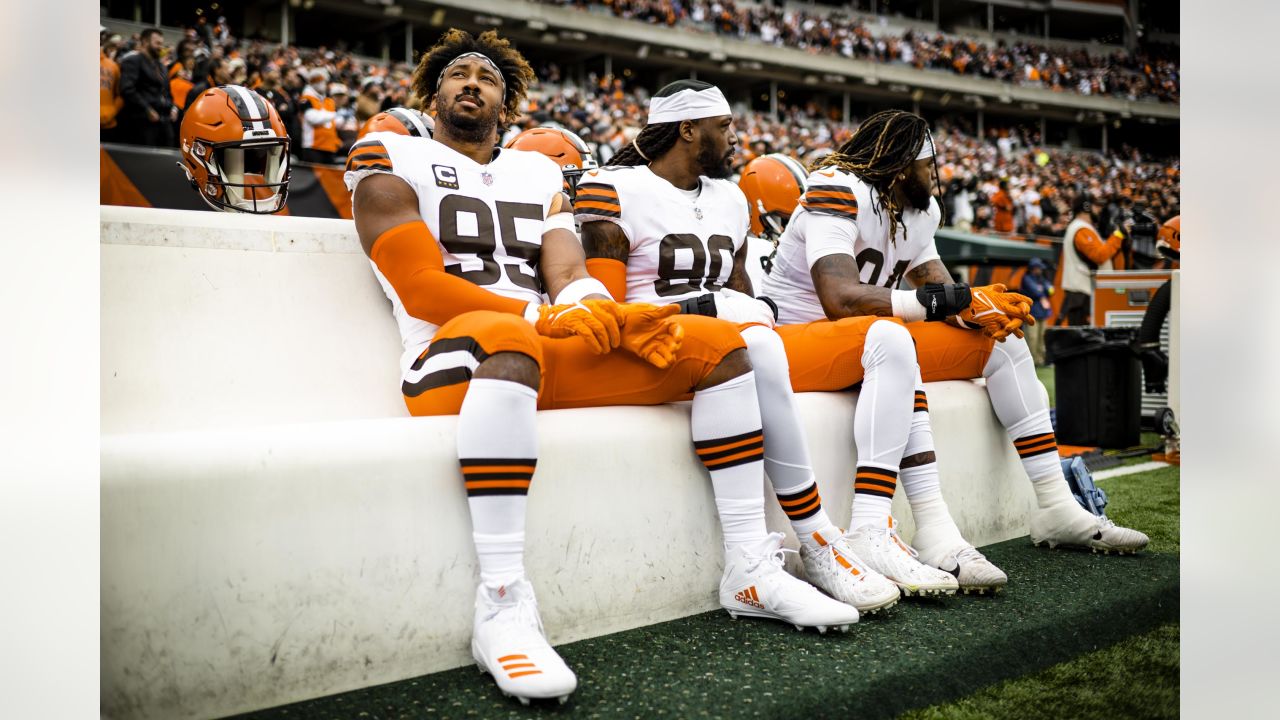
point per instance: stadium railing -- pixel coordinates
(275, 527)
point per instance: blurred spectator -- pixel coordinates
(149, 113)
(345, 116)
(293, 87)
(109, 100)
(217, 71)
(369, 101)
(1002, 204)
(1037, 285)
(1084, 252)
(320, 140)
(270, 87)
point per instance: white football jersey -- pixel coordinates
(838, 214)
(487, 219)
(682, 242)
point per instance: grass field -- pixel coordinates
(1075, 635)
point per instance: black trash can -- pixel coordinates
(1098, 383)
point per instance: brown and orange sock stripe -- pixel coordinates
(921, 402)
(1033, 445)
(497, 476)
(876, 481)
(802, 504)
(727, 452)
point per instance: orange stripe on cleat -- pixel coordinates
(526, 672)
(506, 658)
(517, 666)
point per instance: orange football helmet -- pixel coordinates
(235, 151)
(565, 147)
(400, 120)
(1169, 241)
(773, 185)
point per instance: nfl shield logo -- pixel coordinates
(486, 178)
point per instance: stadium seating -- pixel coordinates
(274, 527)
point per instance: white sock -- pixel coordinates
(730, 443)
(498, 448)
(934, 524)
(882, 421)
(786, 452)
(1022, 405)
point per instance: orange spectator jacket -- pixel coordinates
(1003, 205)
(109, 100)
(179, 86)
(323, 137)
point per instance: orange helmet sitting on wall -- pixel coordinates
(1169, 241)
(773, 185)
(567, 149)
(400, 120)
(235, 151)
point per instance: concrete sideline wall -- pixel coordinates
(275, 528)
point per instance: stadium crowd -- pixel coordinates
(1004, 180)
(1150, 73)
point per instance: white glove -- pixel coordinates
(741, 308)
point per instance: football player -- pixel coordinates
(865, 223)
(401, 121)
(465, 238)
(662, 223)
(235, 151)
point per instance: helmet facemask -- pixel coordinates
(249, 175)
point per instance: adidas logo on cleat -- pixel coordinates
(749, 597)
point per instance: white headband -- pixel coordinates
(688, 104)
(479, 56)
(926, 148)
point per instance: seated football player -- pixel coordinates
(865, 223)
(235, 151)
(465, 238)
(661, 223)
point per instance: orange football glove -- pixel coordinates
(651, 333)
(596, 321)
(998, 312)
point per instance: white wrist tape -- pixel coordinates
(559, 221)
(531, 312)
(578, 289)
(907, 306)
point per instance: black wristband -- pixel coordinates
(701, 305)
(772, 305)
(942, 301)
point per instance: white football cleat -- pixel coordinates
(972, 569)
(755, 584)
(1069, 525)
(508, 642)
(834, 568)
(880, 547)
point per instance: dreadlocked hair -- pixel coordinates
(653, 141)
(516, 72)
(882, 148)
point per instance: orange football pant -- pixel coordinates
(572, 375)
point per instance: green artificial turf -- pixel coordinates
(1136, 678)
(1059, 605)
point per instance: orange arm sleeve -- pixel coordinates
(613, 273)
(1092, 247)
(410, 259)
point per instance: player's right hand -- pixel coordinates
(998, 312)
(596, 321)
(742, 309)
(651, 333)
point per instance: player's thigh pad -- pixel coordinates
(947, 352)
(826, 355)
(438, 379)
(573, 376)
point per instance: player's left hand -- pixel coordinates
(998, 312)
(651, 333)
(595, 321)
(742, 309)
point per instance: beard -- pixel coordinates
(471, 129)
(917, 193)
(716, 167)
